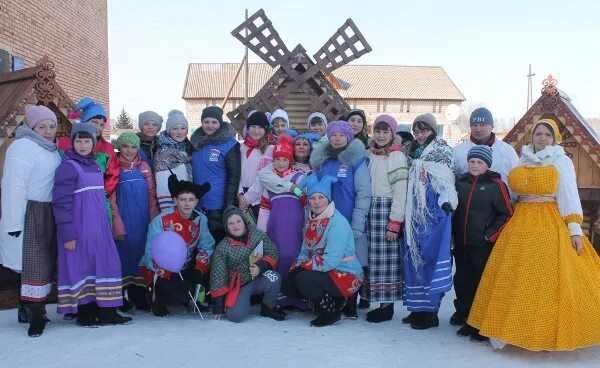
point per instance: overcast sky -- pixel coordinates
(485, 47)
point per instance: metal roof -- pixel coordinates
(400, 82)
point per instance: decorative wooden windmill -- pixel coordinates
(297, 72)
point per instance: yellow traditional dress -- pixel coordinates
(536, 292)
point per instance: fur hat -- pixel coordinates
(84, 128)
(340, 126)
(89, 108)
(36, 114)
(176, 117)
(553, 125)
(428, 119)
(177, 186)
(149, 116)
(481, 152)
(314, 185)
(214, 112)
(316, 115)
(258, 118)
(128, 138)
(284, 148)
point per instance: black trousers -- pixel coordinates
(215, 224)
(470, 264)
(175, 290)
(312, 285)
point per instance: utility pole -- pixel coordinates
(529, 88)
(247, 68)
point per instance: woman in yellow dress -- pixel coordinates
(541, 285)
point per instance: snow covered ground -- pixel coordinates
(187, 341)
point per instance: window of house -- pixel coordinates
(378, 105)
(407, 106)
(402, 106)
(384, 105)
(440, 130)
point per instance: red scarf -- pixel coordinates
(385, 151)
(283, 174)
(251, 143)
(488, 143)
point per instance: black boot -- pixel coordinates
(477, 337)
(363, 303)
(410, 318)
(466, 330)
(275, 312)
(36, 319)
(350, 308)
(87, 315)
(159, 310)
(425, 320)
(329, 311)
(456, 319)
(109, 316)
(22, 312)
(138, 295)
(385, 312)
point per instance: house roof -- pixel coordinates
(365, 81)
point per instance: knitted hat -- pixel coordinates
(149, 116)
(176, 117)
(258, 118)
(36, 114)
(481, 152)
(552, 123)
(316, 115)
(314, 185)
(428, 119)
(284, 148)
(340, 126)
(358, 112)
(177, 186)
(128, 138)
(84, 128)
(279, 113)
(214, 112)
(388, 120)
(481, 116)
(89, 108)
(230, 211)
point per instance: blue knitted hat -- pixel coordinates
(89, 108)
(481, 152)
(314, 185)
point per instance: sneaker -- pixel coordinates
(275, 312)
(385, 312)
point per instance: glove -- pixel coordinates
(446, 206)
(16, 234)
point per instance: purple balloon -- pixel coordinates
(169, 251)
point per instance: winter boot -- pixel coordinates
(425, 320)
(127, 307)
(350, 308)
(329, 311)
(159, 310)
(69, 316)
(87, 315)
(477, 337)
(466, 330)
(410, 318)
(109, 316)
(22, 312)
(275, 312)
(36, 319)
(138, 295)
(385, 312)
(456, 319)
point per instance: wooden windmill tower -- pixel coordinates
(297, 71)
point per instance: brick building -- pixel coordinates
(401, 91)
(73, 33)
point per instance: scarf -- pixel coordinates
(251, 143)
(416, 149)
(316, 226)
(541, 158)
(171, 154)
(24, 131)
(335, 152)
(284, 173)
(490, 141)
(129, 165)
(386, 150)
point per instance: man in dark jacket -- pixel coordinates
(484, 207)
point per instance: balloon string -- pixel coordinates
(196, 308)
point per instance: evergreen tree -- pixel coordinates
(124, 120)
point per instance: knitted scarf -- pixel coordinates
(24, 131)
(252, 144)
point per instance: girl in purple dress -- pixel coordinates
(89, 270)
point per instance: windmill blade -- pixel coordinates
(345, 45)
(259, 35)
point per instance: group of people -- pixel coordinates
(327, 221)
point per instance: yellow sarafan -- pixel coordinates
(536, 292)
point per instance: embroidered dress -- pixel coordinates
(92, 271)
(427, 268)
(536, 292)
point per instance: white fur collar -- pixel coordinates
(543, 157)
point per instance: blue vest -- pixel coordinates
(208, 165)
(343, 192)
